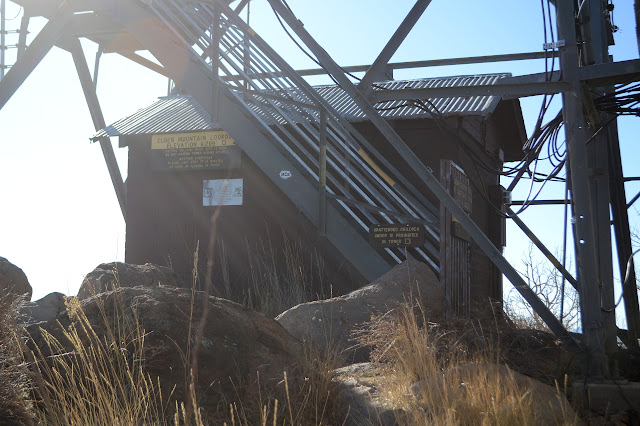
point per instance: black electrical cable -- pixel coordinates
(627, 275)
(17, 14)
(309, 55)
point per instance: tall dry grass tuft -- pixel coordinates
(15, 401)
(96, 375)
(275, 280)
(308, 396)
(440, 378)
(101, 379)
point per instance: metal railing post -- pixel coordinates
(322, 217)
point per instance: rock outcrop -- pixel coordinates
(359, 386)
(13, 282)
(237, 345)
(329, 324)
(42, 310)
(107, 276)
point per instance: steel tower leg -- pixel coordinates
(98, 121)
(575, 127)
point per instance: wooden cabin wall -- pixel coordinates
(166, 220)
(429, 143)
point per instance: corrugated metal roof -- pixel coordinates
(472, 105)
(173, 114)
(169, 114)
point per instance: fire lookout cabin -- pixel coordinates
(185, 170)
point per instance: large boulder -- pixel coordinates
(238, 343)
(42, 310)
(329, 325)
(13, 282)
(107, 276)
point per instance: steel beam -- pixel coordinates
(504, 87)
(611, 73)
(241, 6)
(597, 153)
(575, 127)
(322, 175)
(94, 25)
(509, 87)
(536, 241)
(37, 50)
(145, 62)
(3, 32)
(96, 66)
(22, 35)
(442, 62)
(98, 121)
(427, 177)
(376, 71)
(622, 233)
(190, 74)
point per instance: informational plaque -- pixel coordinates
(397, 235)
(222, 192)
(194, 151)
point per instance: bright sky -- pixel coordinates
(59, 217)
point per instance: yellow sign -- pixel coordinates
(216, 138)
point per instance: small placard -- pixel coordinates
(222, 192)
(397, 235)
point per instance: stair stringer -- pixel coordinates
(253, 137)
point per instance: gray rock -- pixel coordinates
(107, 276)
(328, 324)
(13, 281)
(42, 310)
(238, 343)
(360, 397)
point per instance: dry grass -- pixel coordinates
(100, 379)
(15, 403)
(436, 381)
(276, 280)
(309, 397)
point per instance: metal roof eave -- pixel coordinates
(181, 113)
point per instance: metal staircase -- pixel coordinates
(346, 177)
(331, 173)
(335, 177)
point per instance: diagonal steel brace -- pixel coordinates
(428, 178)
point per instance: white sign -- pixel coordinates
(222, 192)
(285, 174)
